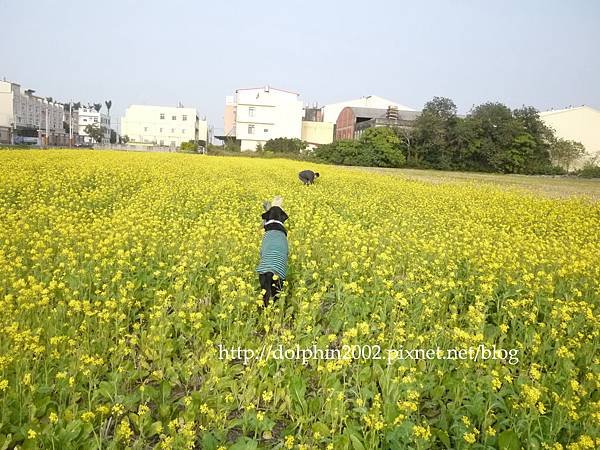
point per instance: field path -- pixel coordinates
(551, 186)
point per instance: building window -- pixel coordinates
(266, 130)
(174, 117)
(182, 131)
(250, 129)
(184, 117)
(145, 128)
(172, 130)
(162, 116)
(251, 111)
(95, 120)
(161, 130)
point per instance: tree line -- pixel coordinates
(491, 138)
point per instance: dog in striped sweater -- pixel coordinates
(272, 267)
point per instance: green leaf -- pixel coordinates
(321, 428)
(365, 374)
(155, 428)
(209, 442)
(341, 441)
(244, 443)
(508, 440)
(437, 392)
(165, 388)
(71, 432)
(7, 440)
(106, 390)
(41, 406)
(164, 411)
(356, 442)
(298, 388)
(30, 444)
(442, 435)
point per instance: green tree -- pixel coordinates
(433, 131)
(383, 145)
(108, 104)
(285, 145)
(377, 147)
(493, 130)
(501, 140)
(95, 132)
(343, 152)
(232, 145)
(564, 153)
(189, 147)
(589, 170)
(539, 157)
(466, 154)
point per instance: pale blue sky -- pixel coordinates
(533, 52)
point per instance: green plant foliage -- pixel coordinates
(284, 145)
(188, 147)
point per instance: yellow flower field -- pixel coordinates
(123, 277)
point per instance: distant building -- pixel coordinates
(390, 118)
(255, 115)
(332, 111)
(5, 135)
(581, 124)
(313, 113)
(317, 133)
(168, 126)
(89, 116)
(353, 121)
(28, 117)
(229, 117)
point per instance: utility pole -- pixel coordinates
(40, 126)
(47, 124)
(71, 123)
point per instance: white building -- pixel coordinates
(163, 125)
(23, 114)
(89, 116)
(581, 124)
(264, 113)
(332, 111)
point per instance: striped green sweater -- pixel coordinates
(274, 253)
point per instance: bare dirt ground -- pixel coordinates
(551, 186)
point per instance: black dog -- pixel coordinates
(272, 267)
